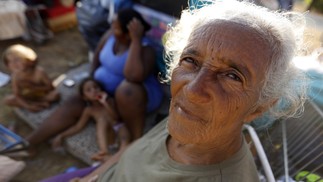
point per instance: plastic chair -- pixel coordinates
(261, 153)
(11, 142)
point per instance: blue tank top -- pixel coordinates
(110, 74)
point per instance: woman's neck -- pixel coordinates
(197, 154)
(121, 45)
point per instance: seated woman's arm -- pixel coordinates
(141, 59)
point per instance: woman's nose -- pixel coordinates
(197, 89)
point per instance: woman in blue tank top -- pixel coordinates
(124, 63)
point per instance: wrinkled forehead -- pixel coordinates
(241, 38)
(231, 28)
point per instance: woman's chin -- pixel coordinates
(183, 133)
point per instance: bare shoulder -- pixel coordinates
(88, 110)
(40, 73)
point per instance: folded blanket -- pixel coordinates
(9, 168)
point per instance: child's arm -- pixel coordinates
(15, 90)
(110, 110)
(57, 142)
(103, 100)
(14, 85)
(47, 84)
(42, 82)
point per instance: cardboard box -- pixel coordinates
(62, 22)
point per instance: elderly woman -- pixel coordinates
(231, 63)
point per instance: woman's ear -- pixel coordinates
(259, 111)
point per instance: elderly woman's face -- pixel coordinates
(217, 83)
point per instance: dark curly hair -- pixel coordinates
(126, 15)
(81, 91)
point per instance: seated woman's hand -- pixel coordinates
(136, 29)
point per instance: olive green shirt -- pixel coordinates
(147, 160)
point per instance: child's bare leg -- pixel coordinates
(111, 137)
(13, 101)
(102, 137)
(42, 104)
(46, 101)
(37, 106)
(100, 156)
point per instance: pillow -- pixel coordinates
(9, 168)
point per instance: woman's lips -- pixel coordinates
(188, 114)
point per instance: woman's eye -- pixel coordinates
(189, 61)
(234, 77)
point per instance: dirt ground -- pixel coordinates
(66, 50)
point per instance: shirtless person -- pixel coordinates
(105, 117)
(31, 86)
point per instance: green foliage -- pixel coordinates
(318, 5)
